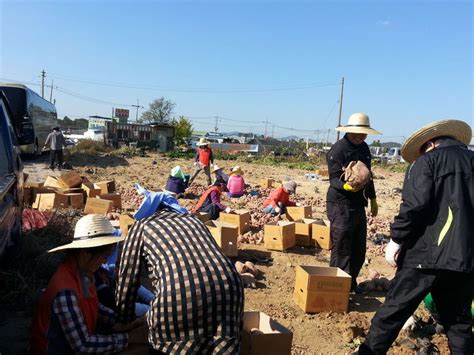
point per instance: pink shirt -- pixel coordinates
(236, 185)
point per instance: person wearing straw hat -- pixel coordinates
(236, 183)
(432, 238)
(68, 314)
(203, 160)
(199, 301)
(218, 174)
(345, 204)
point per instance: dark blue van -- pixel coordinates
(11, 179)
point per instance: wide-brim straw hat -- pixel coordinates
(456, 129)
(358, 123)
(202, 141)
(215, 168)
(91, 231)
(237, 170)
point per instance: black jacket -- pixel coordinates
(436, 218)
(340, 155)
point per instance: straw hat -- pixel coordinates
(202, 141)
(358, 123)
(456, 129)
(237, 171)
(93, 230)
(215, 169)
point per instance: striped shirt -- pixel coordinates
(66, 309)
(200, 297)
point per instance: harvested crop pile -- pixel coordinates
(130, 197)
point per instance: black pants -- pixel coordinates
(53, 154)
(212, 209)
(348, 236)
(452, 295)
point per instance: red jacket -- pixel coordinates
(204, 156)
(65, 277)
(279, 195)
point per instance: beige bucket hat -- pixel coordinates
(215, 168)
(202, 141)
(93, 230)
(358, 123)
(237, 170)
(456, 129)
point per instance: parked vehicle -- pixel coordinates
(32, 113)
(11, 176)
(393, 156)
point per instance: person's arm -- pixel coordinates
(129, 274)
(370, 187)
(275, 197)
(291, 203)
(48, 140)
(335, 159)
(416, 204)
(106, 316)
(71, 320)
(216, 200)
(196, 158)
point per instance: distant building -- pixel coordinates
(266, 145)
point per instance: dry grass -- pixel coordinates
(27, 267)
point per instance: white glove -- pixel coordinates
(228, 209)
(298, 204)
(277, 209)
(195, 163)
(391, 253)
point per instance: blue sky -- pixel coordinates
(405, 63)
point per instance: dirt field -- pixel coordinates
(323, 333)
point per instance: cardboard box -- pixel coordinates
(225, 235)
(98, 206)
(319, 289)
(271, 337)
(203, 216)
(296, 213)
(126, 222)
(70, 179)
(303, 231)
(75, 200)
(49, 201)
(320, 235)
(34, 184)
(51, 181)
(114, 197)
(90, 190)
(267, 183)
(279, 235)
(239, 218)
(106, 187)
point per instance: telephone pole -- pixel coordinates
(51, 92)
(137, 106)
(43, 73)
(340, 106)
(217, 121)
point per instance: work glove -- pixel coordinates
(391, 253)
(195, 163)
(228, 210)
(277, 209)
(298, 204)
(349, 188)
(374, 207)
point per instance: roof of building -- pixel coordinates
(265, 141)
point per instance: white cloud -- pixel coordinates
(383, 22)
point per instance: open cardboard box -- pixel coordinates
(225, 236)
(239, 218)
(303, 229)
(295, 213)
(319, 289)
(320, 234)
(263, 335)
(279, 235)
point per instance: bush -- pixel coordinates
(90, 147)
(127, 152)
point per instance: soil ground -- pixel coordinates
(322, 333)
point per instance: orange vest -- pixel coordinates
(65, 277)
(204, 197)
(204, 156)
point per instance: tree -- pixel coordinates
(160, 111)
(183, 130)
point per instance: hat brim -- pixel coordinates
(238, 172)
(89, 243)
(358, 129)
(201, 144)
(456, 129)
(216, 170)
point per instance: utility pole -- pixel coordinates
(273, 130)
(43, 73)
(340, 106)
(266, 122)
(217, 121)
(137, 106)
(51, 93)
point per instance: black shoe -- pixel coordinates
(358, 290)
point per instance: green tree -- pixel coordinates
(160, 111)
(183, 129)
